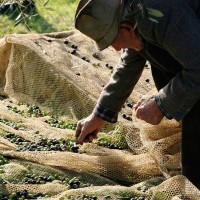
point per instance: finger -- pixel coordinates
(139, 112)
(138, 104)
(86, 140)
(82, 135)
(91, 137)
(78, 129)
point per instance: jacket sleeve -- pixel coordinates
(124, 77)
(182, 41)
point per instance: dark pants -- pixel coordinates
(190, 147)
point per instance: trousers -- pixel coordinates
(190, 145)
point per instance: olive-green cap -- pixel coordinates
(99, 20)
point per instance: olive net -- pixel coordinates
(47, 83)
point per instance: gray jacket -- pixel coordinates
(177, 33)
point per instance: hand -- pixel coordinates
(147, 109)
(88, 128)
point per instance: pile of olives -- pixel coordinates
(33, 110)
(20, 195)
(55, 122)
(3, 160)
(105, 143)
(29, 178)
(73, 183)
(43, 144)
(129, 118)
(109, 66)
(36, 179)
(15, 109)
(10, 123)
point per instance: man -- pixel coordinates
(172, 46)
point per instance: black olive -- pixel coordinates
(75, 149)
(129, 118)
(66, 42)
(74, 46)
(38, 195)
(73, 51)
(110, 67)
(84, 58)
(20, 140)
(147, 80)
(124, 115)
(130, 105)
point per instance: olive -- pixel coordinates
(141, 198)
(130, 105)
(75, 186)
(111, 146)
(95, 55)
(124, 115)
(147, 80)
(50, 178)
(84, 58)
(49, 40)
(66, 42)
(85, 196)
(78, 74)
(75, 149)
(110, 67)
(129, 118)
(73, 51)
(37, 195)
(20, 140)
(74, 46)
(24, 192)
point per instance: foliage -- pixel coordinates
(41, 16)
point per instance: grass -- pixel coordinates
(55, 16)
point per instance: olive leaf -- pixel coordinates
(153, 20)
(154, 12)
(142, 12)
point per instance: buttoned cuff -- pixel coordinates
(158, 101)
(105, 114)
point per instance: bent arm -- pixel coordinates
(120, 85)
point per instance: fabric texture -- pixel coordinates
(176, 36)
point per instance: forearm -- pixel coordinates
(120, 86)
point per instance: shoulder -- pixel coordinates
(173, 12)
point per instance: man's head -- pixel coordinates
(99, 20)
